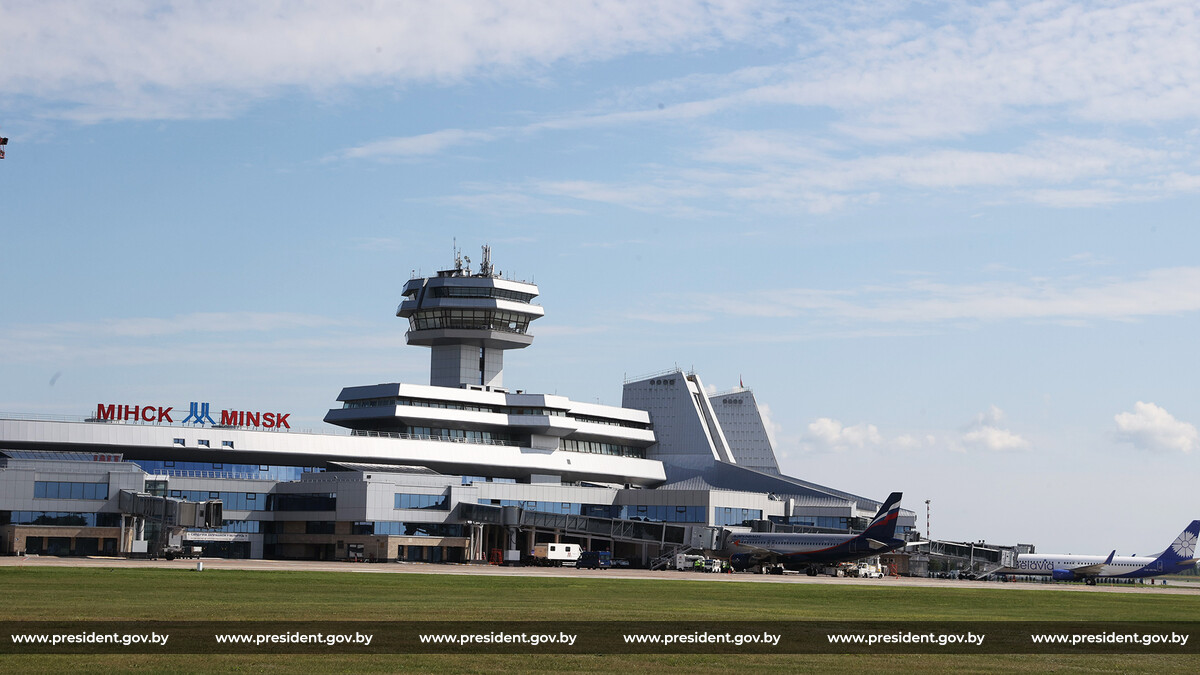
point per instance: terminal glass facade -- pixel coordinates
(414, 501)
(302, 502)
(223, 470)
(724, 515)
(45, 489)
(60, 518)
(230, 501)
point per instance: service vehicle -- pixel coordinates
(556, 555)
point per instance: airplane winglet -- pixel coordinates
(1110, 557)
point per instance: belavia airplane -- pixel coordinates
(1178, 557)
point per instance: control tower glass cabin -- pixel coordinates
(468, 320)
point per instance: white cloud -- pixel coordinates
(1150, 427)
(993, 416)
(668, 318)
(191, 58)
(282, 340)
(1047, 160)
(772, 427)
(966, 70)
(414, 146)
(1004, 62)
(1162, 292)
(774, 172)
(995, 439)
(830, 435)
(196, 322)
(984, 433)
(910, 442)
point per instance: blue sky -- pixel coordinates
(952, 249)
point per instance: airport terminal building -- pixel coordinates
(462, 469)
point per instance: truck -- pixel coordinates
(173, 552)
(686, 562)
(594, 560)
(556, 555)
(865, 571)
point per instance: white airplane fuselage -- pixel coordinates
(1120, 566)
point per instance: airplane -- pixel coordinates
(1177, 557)
(809, 552)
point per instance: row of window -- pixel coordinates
(502, 410)
(470, 436)
(230, 501)
(49, 489)
(60, 518)
(302, 502)
(399, 529)
(828, 522)
(415, 501)
(481, 292)
(469, 319)
(610, 422)
(658, 514)
(258, 471)
(599, 448)
(261, 501)
(202, 443)
(724, 515)
(467, 480)
(450, 405)
(237, 526)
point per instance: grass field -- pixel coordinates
(160, 594)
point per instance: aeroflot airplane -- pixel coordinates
(1176, 558)
(810, 551)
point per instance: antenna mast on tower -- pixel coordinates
(485, 267)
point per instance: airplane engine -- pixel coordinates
(740, 562)
(1062, 575)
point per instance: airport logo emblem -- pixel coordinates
(1185, 545)
(198, 413)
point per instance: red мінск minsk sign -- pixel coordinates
(198, 414)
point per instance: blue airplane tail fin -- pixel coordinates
(883, 525)
(1182, 551)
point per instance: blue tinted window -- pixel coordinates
(66, 490)
(414, 501)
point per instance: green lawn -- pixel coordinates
(158, 594)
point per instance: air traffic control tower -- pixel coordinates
(468, 320)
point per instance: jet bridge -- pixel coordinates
(974, 560)
(169, 517)
(665, 536)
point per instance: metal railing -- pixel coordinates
(668, 558)
(669, 371)
(160, 474)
